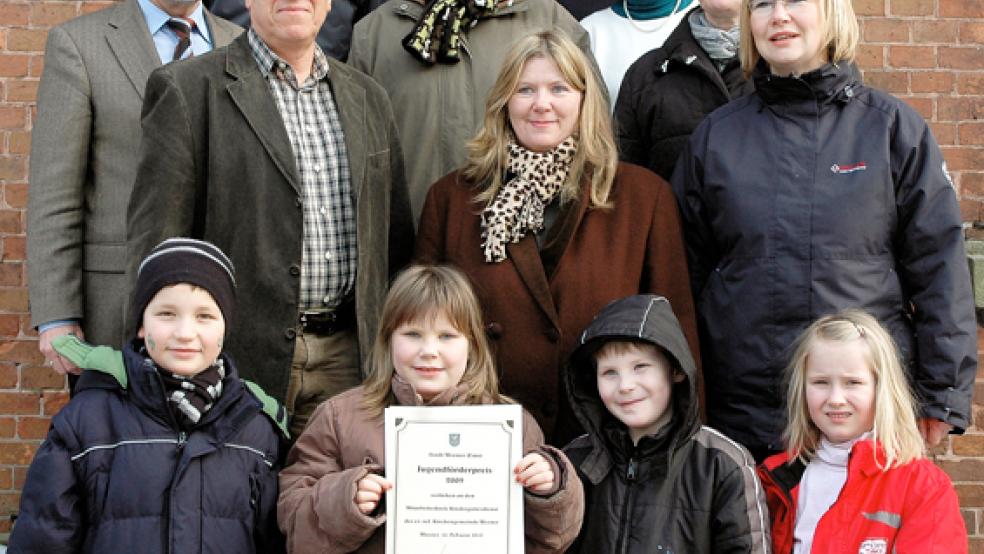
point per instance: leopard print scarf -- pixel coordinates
(518, 207)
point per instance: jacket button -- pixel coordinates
(552, 335)
(294, 270)
(493, 330)
(290, 333)
(298, 203)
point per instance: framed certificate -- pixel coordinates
(454, 491)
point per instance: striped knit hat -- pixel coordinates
(184, 260)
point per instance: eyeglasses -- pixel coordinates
(765, 7)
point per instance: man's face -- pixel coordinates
(288, 26)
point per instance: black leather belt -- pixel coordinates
(328, 322)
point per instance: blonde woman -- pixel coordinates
(854, 476)
(814, 194)
(548, 225)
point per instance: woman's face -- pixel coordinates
(788, 34)
(544, 108)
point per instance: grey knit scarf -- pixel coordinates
(719, 44)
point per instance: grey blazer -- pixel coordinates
(83, 162)
(245, 196)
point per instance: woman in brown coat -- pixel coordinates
(549, 226)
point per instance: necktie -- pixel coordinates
(183, 28)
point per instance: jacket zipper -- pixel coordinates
(182, 439)
(630, 477)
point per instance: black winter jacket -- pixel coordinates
(686, 488)
(812, 195)
(115, 475)
(665, 94)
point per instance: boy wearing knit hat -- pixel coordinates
(163, 448)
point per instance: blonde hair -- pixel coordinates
(596, 156)
(840, 33)
(895, 426)
(418, 293)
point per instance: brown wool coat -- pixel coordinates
(537, 303)
(317, 510)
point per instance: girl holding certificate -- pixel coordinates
(430, 350)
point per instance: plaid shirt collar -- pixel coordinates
(268, 61)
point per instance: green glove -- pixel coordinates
(87, 356)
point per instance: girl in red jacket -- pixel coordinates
(854, 477)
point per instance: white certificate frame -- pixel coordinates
(480, 513)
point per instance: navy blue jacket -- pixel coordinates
(116, 475)
(815, 194)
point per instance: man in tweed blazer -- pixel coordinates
(84, 160)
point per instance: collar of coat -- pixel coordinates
(830, 83)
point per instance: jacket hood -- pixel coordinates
(647, 318)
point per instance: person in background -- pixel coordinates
(549, 226)
(84, 151)
(430, 350)
(627, 29)
(654, 478)
(307, 196)
(814, 194)
(438, 72)
(163, 448)
(854, 476)
(335, 35)
(668, 91)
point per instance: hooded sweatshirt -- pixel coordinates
(686, 488)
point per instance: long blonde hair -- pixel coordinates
(418, 293)
(596, 157)
(895, 427)
(840, 33)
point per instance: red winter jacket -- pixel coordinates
(908, 509)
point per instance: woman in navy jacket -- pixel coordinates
(813, 194)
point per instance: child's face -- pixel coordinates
(840, 389)
(430, 354)
(183, 329)
(634, 384)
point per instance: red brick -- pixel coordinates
(970, 210)
(6, 478)
(975, 545)
(19, 142)
(8, 427)
(22, 91)
(14, 65)
(54, 401)
(960, 108)
(961, 8)
(13, 300)
(14, 249)
(26, 329)
(9, 326)
(871, 56)
(891, 81)
(17, 453)
(11, 274)
(912, 7)
(9, 502)
(945, 133)
(33, 427)
(969, 132)
(932, 31)
(971, 32)
(14, 14)
(962, 58)
(15, 195)
(963, 470)
(970, 494)
(10, 222)
(8, 375)
(24, 351)
(912, 56)
(13, 118)
(20, 476)
(968, 445)
(36, 66)
(923, 105)
(869, 7)
(973, 184)
(960, 158)
(931, 81)
(89, 7)
(886, 30)
(13, 168)
(20, 403)
(26, 40)
(49, 14)
(41, 377)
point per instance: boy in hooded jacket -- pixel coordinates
(655, 479)
(163, 448)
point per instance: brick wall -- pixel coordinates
(930, 52)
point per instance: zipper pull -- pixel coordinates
(182, 438)
(631, 473)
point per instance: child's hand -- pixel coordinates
(534, 473)
(369, 492)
